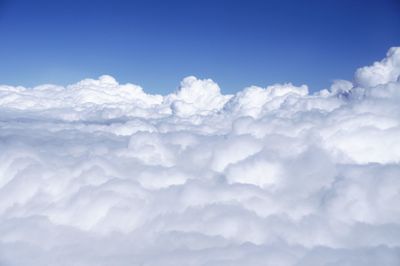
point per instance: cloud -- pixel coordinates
(385, 71)
(102, 173)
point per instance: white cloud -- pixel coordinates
(102, 173)
(385, 71)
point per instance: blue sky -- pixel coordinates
(157, 43)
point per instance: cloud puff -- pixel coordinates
(385, 71)
(102, 173)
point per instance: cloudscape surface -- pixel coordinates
(103, 173)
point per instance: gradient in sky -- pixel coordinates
(157, 43)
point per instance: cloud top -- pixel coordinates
(385, 71)
(101, 173)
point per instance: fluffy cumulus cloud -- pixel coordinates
(102, 173)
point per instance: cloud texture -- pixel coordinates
(101, 173)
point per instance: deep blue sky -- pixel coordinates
(157, 43)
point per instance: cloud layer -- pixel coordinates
(102, 173)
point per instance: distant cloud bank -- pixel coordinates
(102, 173)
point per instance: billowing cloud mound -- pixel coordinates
(100, 173)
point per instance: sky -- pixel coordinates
(157, 43)
(153, 150)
